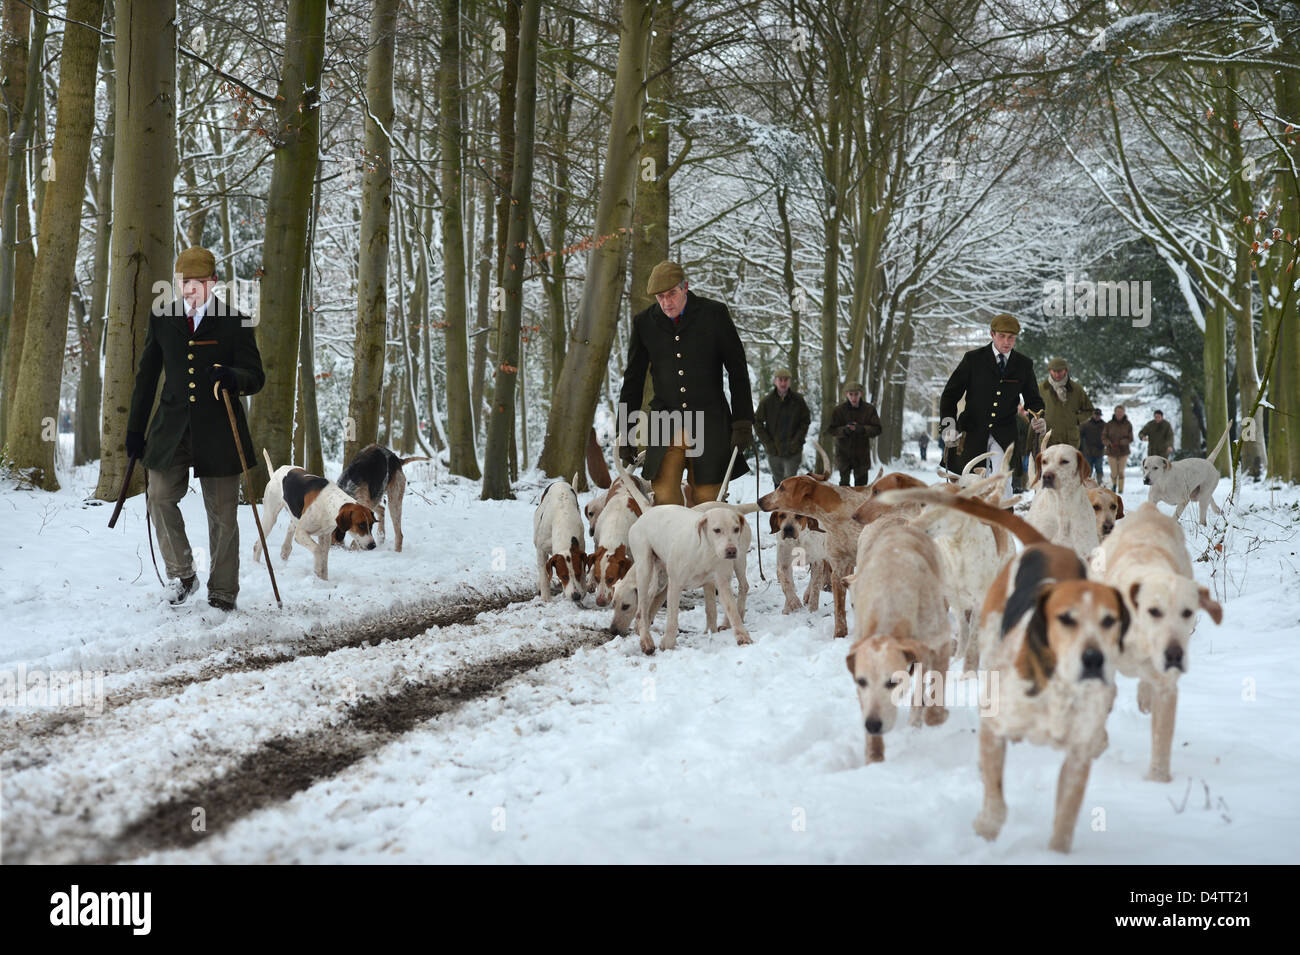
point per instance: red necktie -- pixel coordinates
(189, 320)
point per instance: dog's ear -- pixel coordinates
(1125, 618)
(699, 528)
(341, 525)
(1133, 593)
(775, 521)
(593, 559)
(1209, 604)
(1119, 507)
(1036, 660)
(812, 524)
(849, 662)
(1038, 468)
(553, 566)
(1082, 463)
(912, 651)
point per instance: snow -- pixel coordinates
(709, 753)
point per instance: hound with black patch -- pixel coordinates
(320, 514)
(1052, 640)
(372, 474)
(560, 540)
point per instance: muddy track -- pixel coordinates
(403, 623)
(283, 766)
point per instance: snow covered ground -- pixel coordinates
(712, 752)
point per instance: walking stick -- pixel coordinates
(121, 497)
(758, 523)
(248, 485)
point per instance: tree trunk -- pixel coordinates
(587, 361)
(460, 424)
(1216, 381)
(142, 249)
(650, 214)
(33, 418)
(89, 387)
(792, 296)
(496, 479)
(1284, 381)
(284, 248)
(376, 206)
(22, 79)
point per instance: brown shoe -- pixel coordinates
(221, 603)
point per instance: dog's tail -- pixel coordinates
(406, 461)
(825, 473)
(1219, 447)
(977, 509)
(270, 468)
(642, 501)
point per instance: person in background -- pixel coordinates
(1091, 444)
(923, 441)
(1159, 436)
(853, 425)
(1117, 436)
(781, 424)
(1066, 403)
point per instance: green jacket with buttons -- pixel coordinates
(224, 337)
(685, 361)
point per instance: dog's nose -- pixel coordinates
(731, 553)
(874, 725)
(1092, 661)
(1049, 480)
(1107, 527)
(788, 532)
(370, 546)
(1146, 480)
(602, 601)
(577, 597)
(1174, 657)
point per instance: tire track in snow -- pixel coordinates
(283, 766)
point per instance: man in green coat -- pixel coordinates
(1159, 436)
(684, 342)
(781, 424)
(199, 344)
(853, 425)
(1065, 404)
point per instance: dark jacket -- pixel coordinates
(853, 447)
(1117, 436)
(1159, 436)
(990, 401)
(685, 364)
(1090, 431)
(225, 337)
(782, 423)
(1064, 417)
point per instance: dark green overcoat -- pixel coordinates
(685, 362)
(225, 337)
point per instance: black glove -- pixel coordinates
(135, 444)
(742, 434)
(224, 375)
(627, 454)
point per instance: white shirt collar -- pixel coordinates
(997, 354)
(199, 315)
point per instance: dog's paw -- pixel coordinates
(791, 605)
(1158, 775)
(1061, 843)
(742, 638)
(1144, 697)
(647, 646)
(935, 715)
(875, 749)
(989, 822)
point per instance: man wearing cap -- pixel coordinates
(1066, 403)
(781, 424)
(1093, 447)
(1159, 436)
(993, 379)
(685, 341)
(200, 344)
(1117, 436)
(853, 425)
